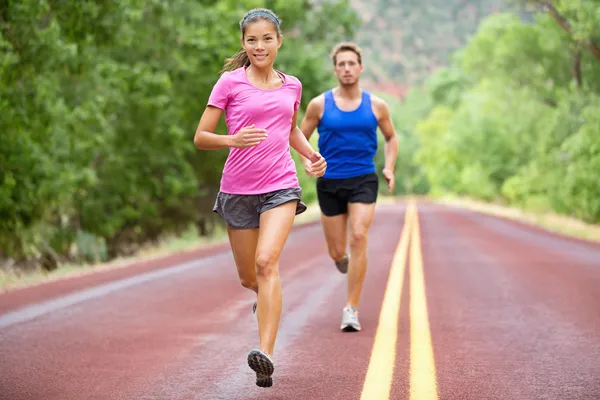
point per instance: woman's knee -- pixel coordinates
(266, 264)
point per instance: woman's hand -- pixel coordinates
(248, 136)
(318, 165)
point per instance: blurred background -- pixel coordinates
(494, 100)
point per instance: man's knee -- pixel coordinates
(358, 239)
(337, 252)
(361, 216)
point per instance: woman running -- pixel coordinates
(259, 194)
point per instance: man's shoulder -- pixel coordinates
(377, 102)
(318, 101)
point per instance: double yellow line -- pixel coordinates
(380, 374)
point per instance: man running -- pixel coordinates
(347, 119)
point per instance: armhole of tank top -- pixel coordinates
(369, 99)
(329, 101)
(326, 103)
(366, 98)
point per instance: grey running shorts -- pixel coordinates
(243, 211)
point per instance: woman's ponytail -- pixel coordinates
(240, 59)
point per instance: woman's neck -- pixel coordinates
(264, 75)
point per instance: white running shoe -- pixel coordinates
(350, 320)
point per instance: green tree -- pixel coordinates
(515, 116)
(100, 101)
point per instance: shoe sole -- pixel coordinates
(263, 367)
(349, 328)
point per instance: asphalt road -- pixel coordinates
(456, 305)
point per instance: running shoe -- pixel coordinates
(342, 264)
(350, 320)
(262, 364)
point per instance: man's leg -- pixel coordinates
(336, 233)
(334, 218)
(360, 216)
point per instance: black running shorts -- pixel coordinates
(335, 194)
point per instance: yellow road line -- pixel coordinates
(423, 384)
(380, 373)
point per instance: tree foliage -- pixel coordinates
(517, 115)
(100, 101)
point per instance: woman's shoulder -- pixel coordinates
(232, 77)
(291, 80)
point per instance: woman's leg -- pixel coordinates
(275, 226)
(243, 245)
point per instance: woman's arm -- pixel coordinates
(206, 139)
(299, 143)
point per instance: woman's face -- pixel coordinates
(261, 43)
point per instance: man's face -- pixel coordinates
(347, 68)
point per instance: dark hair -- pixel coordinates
(240, 59)
(346, 46)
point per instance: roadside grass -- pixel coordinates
(11, 279)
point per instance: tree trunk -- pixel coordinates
(577, 67)
(564, 24)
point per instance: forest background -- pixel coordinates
(494, 100)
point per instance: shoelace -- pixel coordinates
(351, 312)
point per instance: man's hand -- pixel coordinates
(388, 174)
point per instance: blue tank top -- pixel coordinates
(348, 139)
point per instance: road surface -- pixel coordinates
(456, 305)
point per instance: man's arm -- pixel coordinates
(312, 117)
(391, 140)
